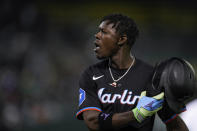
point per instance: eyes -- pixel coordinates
(102, 31)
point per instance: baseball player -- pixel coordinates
(116, 93)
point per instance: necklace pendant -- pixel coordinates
(114, 84)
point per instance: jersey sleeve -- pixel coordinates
(166, 114)
(88, 98)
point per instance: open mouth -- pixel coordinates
(97, 47)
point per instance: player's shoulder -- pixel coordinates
(142, 64)
(144, 69)
(101, 64)
(97, 67)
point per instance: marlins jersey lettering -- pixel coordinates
(97, 91)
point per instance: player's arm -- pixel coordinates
(122, 119)
(177, 125)
(146, 107)
(91, 118)
(171, 119)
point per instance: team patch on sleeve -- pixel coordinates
(82, 96)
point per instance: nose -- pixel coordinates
(97, 35)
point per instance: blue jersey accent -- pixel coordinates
(82, 96)
(88, 108)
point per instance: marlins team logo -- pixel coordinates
(82, 96)
(126, 97)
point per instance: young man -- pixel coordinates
(116, 93)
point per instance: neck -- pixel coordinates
(122, 59)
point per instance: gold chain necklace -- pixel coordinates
(114, 83)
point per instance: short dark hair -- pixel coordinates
(123, 25)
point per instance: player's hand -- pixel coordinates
(147, 106)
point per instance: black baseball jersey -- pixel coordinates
(98, 92)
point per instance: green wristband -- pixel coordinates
(138, 115)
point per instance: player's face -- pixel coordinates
(106, 41)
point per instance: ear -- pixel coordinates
(122, 40)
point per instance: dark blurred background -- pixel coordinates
(45, 45)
